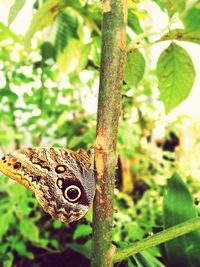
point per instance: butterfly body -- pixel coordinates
(61, 179)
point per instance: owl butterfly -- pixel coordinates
(60, 178)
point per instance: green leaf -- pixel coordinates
(48, 51)
(82, 230)
(44, 17)
(67, 27)
(179, 207)
(6, 220)
(14, 10)
(15, 191)
(179, 5)
(3, 248)
(22, 250)
(192, 19)
(8, 260)
(29, 230)
(130, 263)
(23, 209)
(143, 261)
(134, 67)
(176, 76)
(88, 215)
(57, 224)
(133, 231)
(153, 259)
(74, 56)
(171, 6)
(95, 50)
(81, 249)
(54, 243)
(5, 32)
(134, 22)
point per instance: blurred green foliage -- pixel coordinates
(48, 96)
(186, 247)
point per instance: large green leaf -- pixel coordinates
(176, 76)
(14, 10)
(134, 67)
(179, 207)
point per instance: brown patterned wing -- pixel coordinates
(60, 178)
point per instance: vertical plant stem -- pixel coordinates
(111, 78)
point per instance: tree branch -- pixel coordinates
(166, 235)
(111, 79)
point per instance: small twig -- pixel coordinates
(137, 42)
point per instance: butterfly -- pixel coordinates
(61, 179)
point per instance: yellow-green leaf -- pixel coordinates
(5, 32)
(29, 230)
(176, 76)
(74, 56)
(14, 10)
(134, 67)
(82, 230)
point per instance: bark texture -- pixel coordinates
(111, 79)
